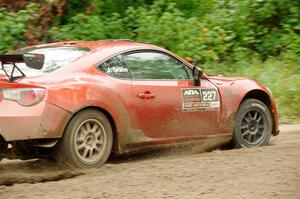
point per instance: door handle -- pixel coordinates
(146, 95)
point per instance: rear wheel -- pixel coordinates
(253, 125)
(87, 141)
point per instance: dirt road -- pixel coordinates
(266, 172)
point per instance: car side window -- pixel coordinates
(155, 65)
(115, 67)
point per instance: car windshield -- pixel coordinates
(55, 57)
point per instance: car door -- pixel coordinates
(166, 102)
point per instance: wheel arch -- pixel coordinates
(109, 117)
(259, 95)
(264, 98)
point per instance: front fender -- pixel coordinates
(233, 93)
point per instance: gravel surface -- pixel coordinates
(265, 172)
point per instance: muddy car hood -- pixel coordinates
(225, 80)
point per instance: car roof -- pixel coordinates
(101, 44)
(103, 49)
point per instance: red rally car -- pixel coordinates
(82, 101)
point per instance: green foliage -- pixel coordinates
(13, 26)
(195, 8)
(80, 27)
(263, 26)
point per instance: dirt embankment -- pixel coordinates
(266, 172)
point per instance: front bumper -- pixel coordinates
(43, 120)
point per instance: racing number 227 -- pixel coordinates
(209, 95)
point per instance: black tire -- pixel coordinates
(253, 125)
(87, 141)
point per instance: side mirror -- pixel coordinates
(197, 75)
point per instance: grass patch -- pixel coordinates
(281, 75)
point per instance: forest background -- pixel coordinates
(259, 39)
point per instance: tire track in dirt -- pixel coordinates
(33, 171)
(266, 172)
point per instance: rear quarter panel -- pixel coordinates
(79, 90)
(76, 93)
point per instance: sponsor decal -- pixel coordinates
(191, 92)
(197, 99)
(117, 70)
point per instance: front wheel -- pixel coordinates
(87, 140)
(253, 124)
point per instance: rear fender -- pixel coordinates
(78, 96)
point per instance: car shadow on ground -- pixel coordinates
(179, 149)
(44, 170)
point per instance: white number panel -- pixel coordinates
(196, 99)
